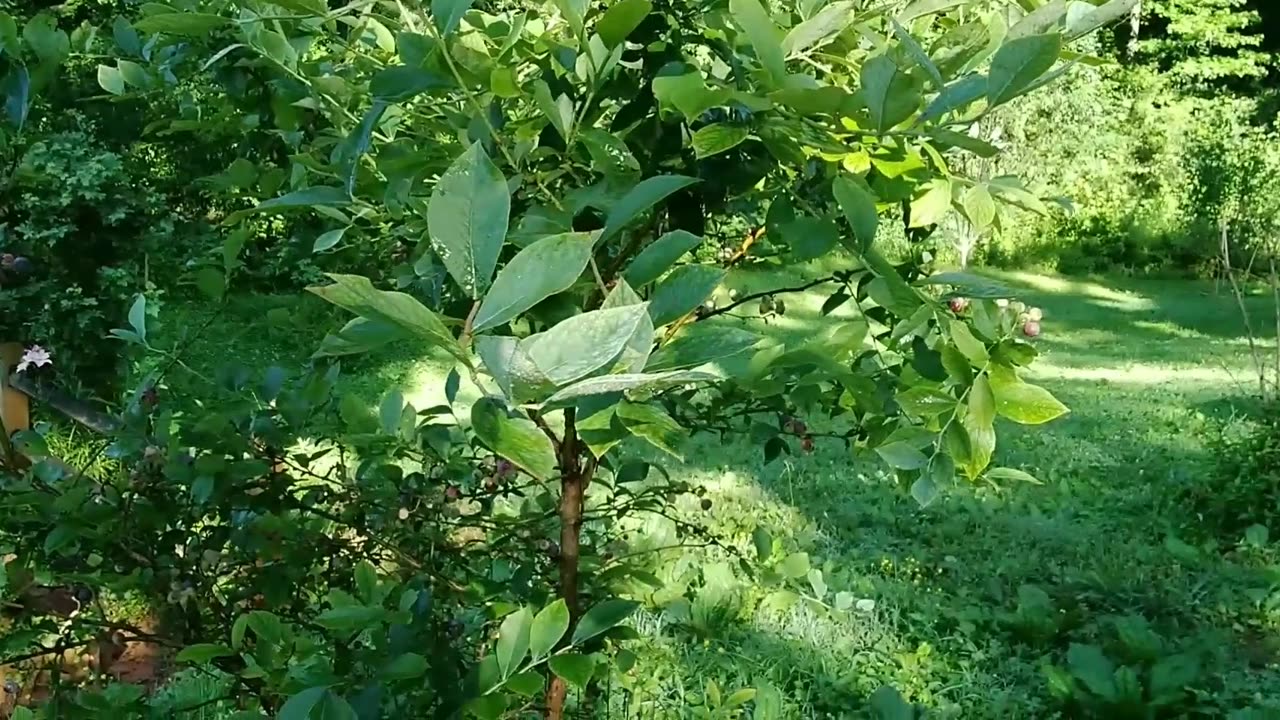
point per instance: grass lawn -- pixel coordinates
(1152, 370)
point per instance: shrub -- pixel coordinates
(1245, 487)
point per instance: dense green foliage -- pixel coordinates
(552, 203)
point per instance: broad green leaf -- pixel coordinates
(971, 347)
(653, 425)
(44, 38)
(796, 565)
(828, 22)
(517, 439)
(357, 294)
(401, 82)
(658, 256)
(390, 412)
(979, 207)
(406, 666)
(528, 684)
(1010, 190)
(9, 42)
(641, 198)
(683, 290)
(299, 706)
(358, 336)
(699, 344)
(955, 96)
(717, 138)
(350, 618)
(513, 641)
(1012, 475)
(921, 8)
(315, 196)
(688, 94)
(202, 653)
(548, 266)
(765, 37)
(982, 404)
(902, 456)
(487, 707)
(187, 24)
(930, 207)
(549, 626)
(621, 295)
(511, 367)
(467, 218)
(609, 154)
(620, 19)
(327, 240)
(859, 208)
(925, 402)
(559, 111)
(16, 86)
(604, 616)
(580, 345)
(573, 11)
(1091, 667)
(890, 94)
(573, 668)
(134, 74)
(808, 237)
(448, 14)
(903, 299)
(918, 54)
(111, 80)
(1019, 63)
(630, 382)
(1023, 402)
(888, 704)
(1040, 20)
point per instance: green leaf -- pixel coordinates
(982, 404)
(680, 292)
(1092, 668)
(513, 641)
(699, 344)
(859, 208)
(358, 336)
(601, 618)
(508, 361)
(448, 14)
(328, 240)
(300, 705)
(1011, 475)
(902, 456)
(970, 346)
(621, 19)
(517, 439)
(979, 207)
(714, 139)
(1022, 402)
(559, 111)
(111, 80)
(765, 38)
(828, 22)
(920, 8)
(918, 54)
(573, 668)
(549, 626)
(642, 197)
(609, 154)
(1019, 63)
(890, 94)
(653, 425)
(903, 299)
(580, 345)
(809, 237)
(467, 218)
(688, 94)
(796, 565)
(317, 195)
(956, 96)
(134, 74)
(932, 206)
(187, 24)
(528, 684)
(202, 653)
(925, 401)
(630, 382)
(970, 285)
(405, 667)
(887, 704)
(44, 38)
(573, 11)
(544, 268)
(401, 82)
(350, 618)
(356, 294)
(138, 316)
(389, 413)
(763, 543)
(16, 87)
(658, 256)
(211, 282)
(366, 575)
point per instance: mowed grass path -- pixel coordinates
(1150, 369)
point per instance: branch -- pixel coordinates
(765, 293)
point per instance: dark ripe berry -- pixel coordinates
(491, 485)
(84, 594)
(11, 687)
(150, 397)
(504, 468)
(453, 492)
(806, 444)
(796, 426)
(1031, 329)
(706, 503)
(23, 266)
(958, 304)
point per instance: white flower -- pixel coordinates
(34, 355)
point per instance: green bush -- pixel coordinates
(91, 233)
(1245, 489)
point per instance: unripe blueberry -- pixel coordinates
(1035, 314)
(1018, 307)
(1031, 329)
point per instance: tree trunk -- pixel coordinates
(1135, 29)
(573, 485)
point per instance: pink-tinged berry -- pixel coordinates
(1031, 329)
(1035, 314)
(958, 304)
(806, 444)
(453, 492)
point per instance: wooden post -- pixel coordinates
(15, 408)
